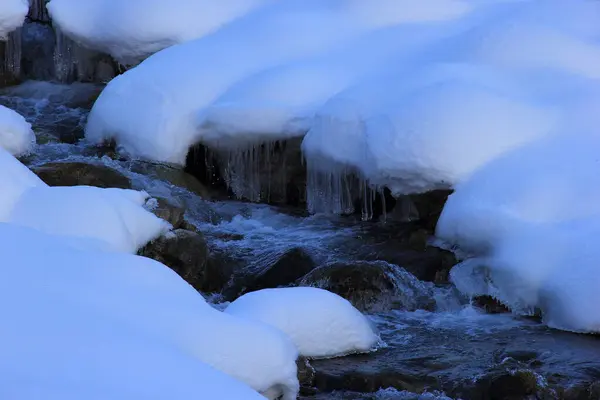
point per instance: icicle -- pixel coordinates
(71, 61)
(11, 66)
(328, 188)
(38, 11)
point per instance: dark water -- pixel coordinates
(446, 350)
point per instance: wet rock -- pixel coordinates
(306, 376)
(582, 391)
(368, 373)
(170, 213)
(184, 252)
(372, 286)
(270, 173)
(273, 270)
(506, 385)
(424, 208)
(77, 173)
(490, 305)
(219, 272)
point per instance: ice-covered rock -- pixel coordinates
(12, 15)
(16, 135)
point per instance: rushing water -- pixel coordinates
(441, 349)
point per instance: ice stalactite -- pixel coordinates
(71, 61)
(333, 188)
(38, 11)
(11, 64)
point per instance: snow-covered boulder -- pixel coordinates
(132, 30)
(115, 216)
(320, 323)
(128, 325)
(15, 180)
(16, 135)
(530, 221)
(161, 121)
(12, 15)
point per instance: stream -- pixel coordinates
(437, 345)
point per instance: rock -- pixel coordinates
(373, 286)
(37, 46)
(184, 252)
(77, 173)
(274, 269)
(170, 213)
(270, 173)
(306, 376)
(490, 305)
(506, 385)
(582, 391)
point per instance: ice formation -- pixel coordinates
(16, 135)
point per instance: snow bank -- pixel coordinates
(320, 323)
(115, 216)
(16, 135)
(86, 324)
(12, 15)
(144, 119)
(15, 180)
(530, 218)
(131, 31)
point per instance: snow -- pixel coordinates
(15, 180)
(86, 324)
(144, 118)
(530, 220)
(131, 31)
(320, 323)
(16, 135)
(114, 216)
(12, 15)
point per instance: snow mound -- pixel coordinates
(128, 326)
(529, 219)
(145, 119)
(320, 323)
(16, 135)
(114, 216)
(12, 15)
(15, 180)
(131, 31)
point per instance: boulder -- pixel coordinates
(78, 173)
(373, 286)
(185, 252)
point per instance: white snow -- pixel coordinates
(115, 216)
(16, 135)
(15, 180)
(12, 15)
(320, 323)
(530, 219)
(132, 30)
(144, 119)
(79, 323)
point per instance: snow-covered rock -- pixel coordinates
(129, 327)
(115, 216)
(530, 220)
(320, 323)
(131, 31)
(12, 15)
(145, 119)
(16, 135)
(15, 180)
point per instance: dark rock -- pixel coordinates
(77, 173)
(582, 391)
(219, 271)
(306, 376)
(273, 270)
(506, 385)
(184, 252)
(372, 286)
(172, 214)
(490, 305)
(270, 173)
(424, 208)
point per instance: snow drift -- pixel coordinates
(16, 135)
(12, 15)
(88, 324)
(320, 323)
(131, 31)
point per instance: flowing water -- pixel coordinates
(446, 349)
